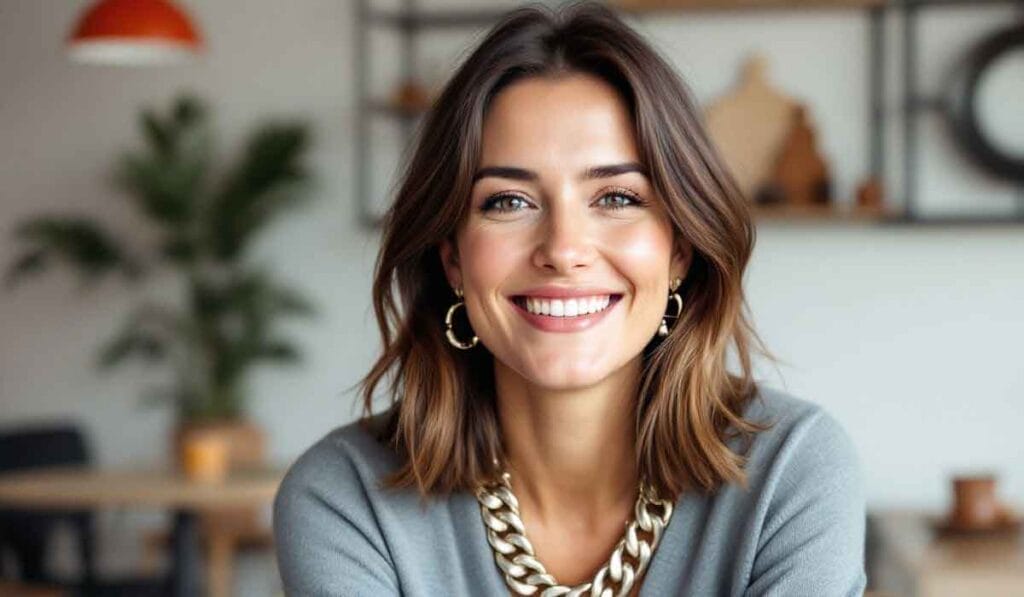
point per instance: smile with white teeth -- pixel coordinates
(572, 307)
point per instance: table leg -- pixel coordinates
(186, 566)
(219, 567)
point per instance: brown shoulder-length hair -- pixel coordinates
(443, 421)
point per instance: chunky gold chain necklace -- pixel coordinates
(525, 575)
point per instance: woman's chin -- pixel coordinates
(567, 374)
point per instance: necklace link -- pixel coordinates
(525, 575)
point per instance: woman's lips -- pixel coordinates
(577, 323)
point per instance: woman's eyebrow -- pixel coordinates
(593, 172)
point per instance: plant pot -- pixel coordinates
(245, 442)
(204, 457)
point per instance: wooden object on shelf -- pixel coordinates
(870, 194)
(801, 174)
(908, 558)
(749, 125)
(410, 97)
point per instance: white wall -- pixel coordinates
(909, 336)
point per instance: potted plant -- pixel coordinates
(222, 325)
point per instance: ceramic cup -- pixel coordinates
(974, 501)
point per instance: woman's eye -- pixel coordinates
(504, 203)
(619, 200)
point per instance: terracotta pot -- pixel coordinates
(975, 504)
(204, 456)
(245, 441)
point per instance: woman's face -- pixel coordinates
(567, 254)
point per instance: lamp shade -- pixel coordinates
(133, 32)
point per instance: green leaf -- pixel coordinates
(279, 351)
(166, 181)
(77, 241)
(269, 178)
(292, 303)
(165, 190)
(158, 136)
(189, 110)
(29, 263)
(142, 343)
(180, 250)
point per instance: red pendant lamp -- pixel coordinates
(134, 32)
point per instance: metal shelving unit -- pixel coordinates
(914, 104)
(410, 20)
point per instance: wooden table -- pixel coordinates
(164, 489)
(908, 558)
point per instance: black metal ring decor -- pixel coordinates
(962, 105)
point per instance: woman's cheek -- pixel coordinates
(644, 246)
(486, 256)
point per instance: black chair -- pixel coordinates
(27, 533)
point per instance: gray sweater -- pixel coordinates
(798, 530)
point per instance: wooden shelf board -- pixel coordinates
(924, 3)
(468, 17)
(821, 213)
(958, 220)
(393, 109)
(835, 214)
(436, 18)
(455, 17)
(643, 6)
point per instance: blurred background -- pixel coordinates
(188, 228)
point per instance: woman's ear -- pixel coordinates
(682, 256)
(449, 253)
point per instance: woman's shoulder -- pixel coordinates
(806, 495)
(805, 452)
(347, 456)
(773, 404)
(795, 422)
(325, 507)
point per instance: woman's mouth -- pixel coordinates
(564, 314)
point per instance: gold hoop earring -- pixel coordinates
(673, 296)
(450, 331)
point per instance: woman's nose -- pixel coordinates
(565, 243)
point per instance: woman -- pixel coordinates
(558, 284)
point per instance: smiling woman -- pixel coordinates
(558, 289)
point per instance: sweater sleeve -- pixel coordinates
(327, 541)
(812, 538)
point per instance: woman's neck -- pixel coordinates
(571, 453)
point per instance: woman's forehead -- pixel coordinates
(576, 119)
